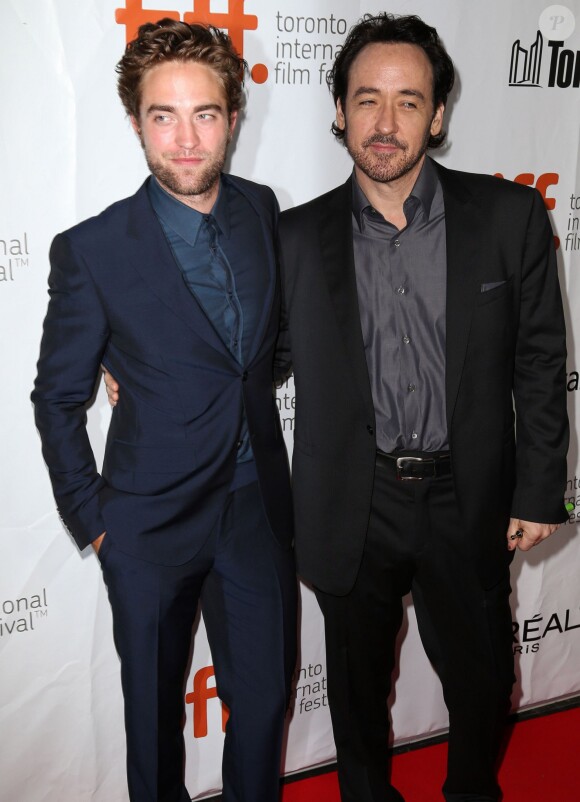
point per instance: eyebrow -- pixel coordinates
(371, 90)
(172, 109)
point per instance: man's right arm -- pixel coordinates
(73, 343)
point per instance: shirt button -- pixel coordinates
(245, 376)
(406, 339)
(397, 243)
(414, 435)
(239, 444)
(400, 290)
(370, 430)
(411, 388)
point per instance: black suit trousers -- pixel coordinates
(416, 543)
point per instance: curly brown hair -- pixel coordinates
(172, 40)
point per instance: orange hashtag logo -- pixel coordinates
(199, 698)
(234, 20)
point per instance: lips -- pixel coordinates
(187, 161)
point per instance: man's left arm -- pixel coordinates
(539, 390)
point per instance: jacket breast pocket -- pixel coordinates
(493, 291)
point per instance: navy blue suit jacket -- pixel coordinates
(117, 297)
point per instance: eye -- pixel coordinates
(162, 119)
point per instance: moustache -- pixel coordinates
(382, 139)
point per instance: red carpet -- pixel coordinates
(541, 764)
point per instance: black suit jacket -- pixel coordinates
(505, 349)
(117, 297)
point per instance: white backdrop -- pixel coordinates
(66, 151)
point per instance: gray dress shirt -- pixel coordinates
(401, 282)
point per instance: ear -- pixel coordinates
(340, 118)
(135, 125)
(437, 121)
(233, 122)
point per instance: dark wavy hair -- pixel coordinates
(391, 29)
(171, 40)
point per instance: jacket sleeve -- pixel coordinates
(540, 380)
(282, 353)
(74, 339)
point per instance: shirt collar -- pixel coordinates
(184, 220)
(422, 193)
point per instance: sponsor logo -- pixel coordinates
(14, 255)
(22, 614)
(305, 46)
(529, 635)
(543, 60)
(234, 20)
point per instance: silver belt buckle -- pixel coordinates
(400, 467)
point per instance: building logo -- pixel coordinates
(525, 64)
(14, 255)
(543, 60)
(234, 20)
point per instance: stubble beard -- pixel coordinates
(385, 167)
(188, 181)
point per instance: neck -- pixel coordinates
(388, 197)
(202, 203)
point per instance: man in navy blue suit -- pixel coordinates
(175, 290)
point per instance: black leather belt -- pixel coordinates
(415, 467)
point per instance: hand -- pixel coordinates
(96, 544)
(111, 387)
(532, 534)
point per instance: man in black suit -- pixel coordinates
(176, 291)
(423, 308)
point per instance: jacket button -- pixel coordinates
(245, 376)
(370, 430)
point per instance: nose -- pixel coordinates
(386, 122)
(187, 136)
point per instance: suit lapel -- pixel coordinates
(338, 265)
(465, 268)
(152, 258)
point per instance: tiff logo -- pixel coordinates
(234, 20)
(199, 697)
